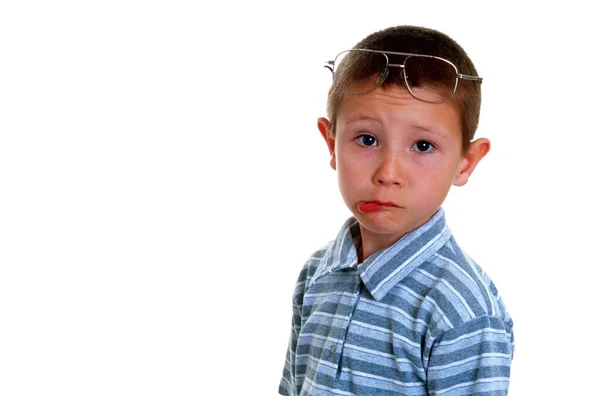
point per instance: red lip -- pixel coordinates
(374, 206)
(383, 203)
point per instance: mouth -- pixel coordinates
(374, 206)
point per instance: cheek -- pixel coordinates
(437, 166)
(433, 176)
(347, 173)
(347, 163)
(352, 175)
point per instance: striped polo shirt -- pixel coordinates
(417, 318)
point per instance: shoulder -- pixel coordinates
(461, 289)
(466, 307)
(314, 263)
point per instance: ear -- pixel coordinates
(324, 125)
(477, 150)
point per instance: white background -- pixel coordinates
(162, 181)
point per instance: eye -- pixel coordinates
(422, 146)
(367, 141)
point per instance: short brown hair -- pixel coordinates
(419, 40)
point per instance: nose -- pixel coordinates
(390, 171)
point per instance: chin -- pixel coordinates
(380, 224)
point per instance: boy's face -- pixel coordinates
(396, 158)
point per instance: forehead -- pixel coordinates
(396, 107)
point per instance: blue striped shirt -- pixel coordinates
(417, 318)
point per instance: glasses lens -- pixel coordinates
(430, 79)
(358, 72)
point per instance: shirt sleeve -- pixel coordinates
(472, 359)
(287, 386)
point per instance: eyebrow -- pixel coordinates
(429, 128)
(363, 117)
(435, 131)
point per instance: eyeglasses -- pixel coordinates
(428, 78)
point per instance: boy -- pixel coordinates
(393, 306)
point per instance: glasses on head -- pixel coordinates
(428, 78)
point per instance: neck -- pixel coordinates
(371, 243)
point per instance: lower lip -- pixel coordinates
(367, 207)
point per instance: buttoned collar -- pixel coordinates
(381, 271)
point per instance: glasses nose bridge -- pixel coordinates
(399, 65)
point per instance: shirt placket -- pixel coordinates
(342, 344)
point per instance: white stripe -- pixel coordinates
(485, 286)
(387, 331)
(395, 309)
(383, 379)
(481, 381)
(438, 310)
(326, 388)
(318, 362)
(317, 336)
(452, 290)
(459, 268)
(412, 293)
(326, 294)
(395, 359)
(343, 318)
(472, 334)
(289, 384)
(468, 360)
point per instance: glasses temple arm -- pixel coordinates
(467, 77)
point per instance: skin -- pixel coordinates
(391, 147)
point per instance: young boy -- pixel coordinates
(393, 306)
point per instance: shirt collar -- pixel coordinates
(381, 271)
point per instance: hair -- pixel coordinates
(417, 40)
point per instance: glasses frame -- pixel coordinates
(459, 76)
